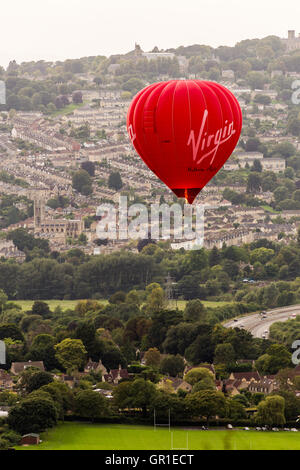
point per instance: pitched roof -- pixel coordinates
(18, 367)
(91, 365)
(177, 382)
(115, 373)
(123, 373)
(246, 375)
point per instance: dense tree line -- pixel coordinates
(215, 274)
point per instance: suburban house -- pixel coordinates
(248, 376)
(238, 381)
(115, 375)
(265, 385)
(176, 383)
(92, 366)
(18, 367)
(248, 158)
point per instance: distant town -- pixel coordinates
(64, 146)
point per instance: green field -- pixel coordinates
(207, 303)
(67, 109)
(65, 304)
(270, 209)
(83, 436)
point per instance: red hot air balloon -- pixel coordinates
(184, 130)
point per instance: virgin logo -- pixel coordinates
(210, 142)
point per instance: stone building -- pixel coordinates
(58, 228)
(292, 42)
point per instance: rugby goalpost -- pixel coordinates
(168, 425)
(180, 448)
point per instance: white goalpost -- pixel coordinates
(168, 425)
(179, 448)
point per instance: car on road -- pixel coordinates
(263, 336)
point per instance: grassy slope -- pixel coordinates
(207, 303)
(270, 209)
(67, 109)
(85, 436)
(64, 304)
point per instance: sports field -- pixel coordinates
(65, 304)
(83, 436)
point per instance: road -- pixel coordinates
(258, 326)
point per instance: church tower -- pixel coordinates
(39, 212)
(38, 196)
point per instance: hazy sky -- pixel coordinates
(60, 29)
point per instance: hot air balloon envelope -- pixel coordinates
(184, 130)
